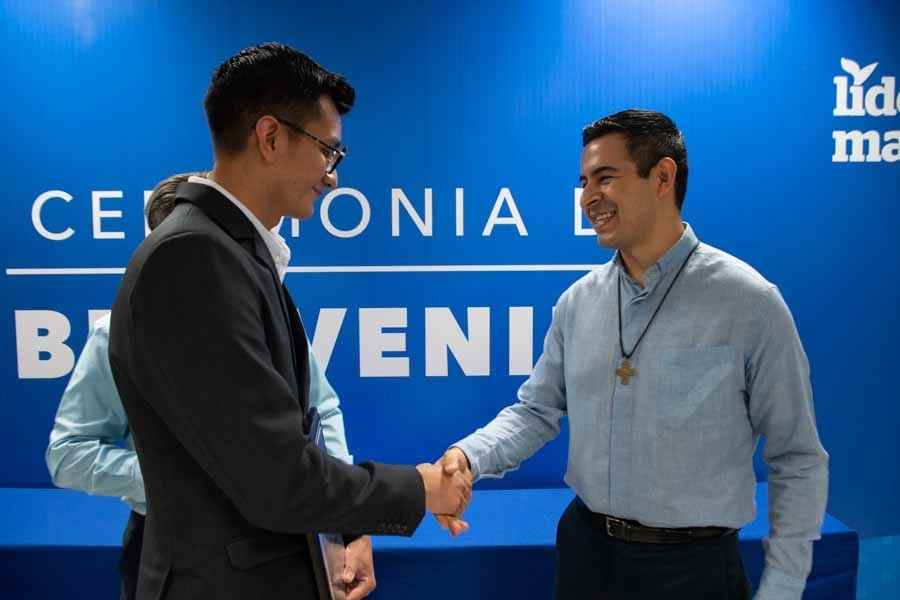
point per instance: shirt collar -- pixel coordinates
(275, 244)
(674, 256)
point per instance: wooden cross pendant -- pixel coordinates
(625, 372)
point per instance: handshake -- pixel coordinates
(448, 489)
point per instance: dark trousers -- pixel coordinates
(592, 565)
(130, 563)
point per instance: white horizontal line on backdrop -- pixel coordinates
(337, 269)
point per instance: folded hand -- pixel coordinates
(359, 569)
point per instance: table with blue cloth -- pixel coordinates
(56, 544)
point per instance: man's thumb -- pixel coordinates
(347, 575)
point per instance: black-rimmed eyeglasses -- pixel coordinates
(333, 154)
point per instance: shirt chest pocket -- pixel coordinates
(696, 387)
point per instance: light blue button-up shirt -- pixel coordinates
(721, 365)
(91, 448)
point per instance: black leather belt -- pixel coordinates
(634, 532)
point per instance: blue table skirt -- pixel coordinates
(57, 544)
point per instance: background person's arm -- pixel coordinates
(325, 399)
(85, 452)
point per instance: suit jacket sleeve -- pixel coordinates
(198, 316)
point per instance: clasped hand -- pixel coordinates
(448, 489)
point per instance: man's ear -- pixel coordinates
(265, 133)
(666, 171)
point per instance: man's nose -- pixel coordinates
(331, 179)
(588, 197)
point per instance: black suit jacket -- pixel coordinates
(210, 360)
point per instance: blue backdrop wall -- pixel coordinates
(473, 109)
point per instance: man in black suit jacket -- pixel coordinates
(210, 358)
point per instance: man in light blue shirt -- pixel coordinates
(670, 361)
(90, 445)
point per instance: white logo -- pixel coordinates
(853, 99)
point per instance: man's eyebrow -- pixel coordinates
(597, 171)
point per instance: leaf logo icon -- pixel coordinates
(859, 74)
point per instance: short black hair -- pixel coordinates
(162, 199)
(649, 137)
(269, 78)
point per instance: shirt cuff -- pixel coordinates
(137, 506)
(778, 585)
(138, 494)
(471, 456)
(344, 458)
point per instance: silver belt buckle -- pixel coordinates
(610, 521)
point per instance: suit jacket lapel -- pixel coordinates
(301, 360)
(230, 218)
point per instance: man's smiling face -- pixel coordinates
(620, 204)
